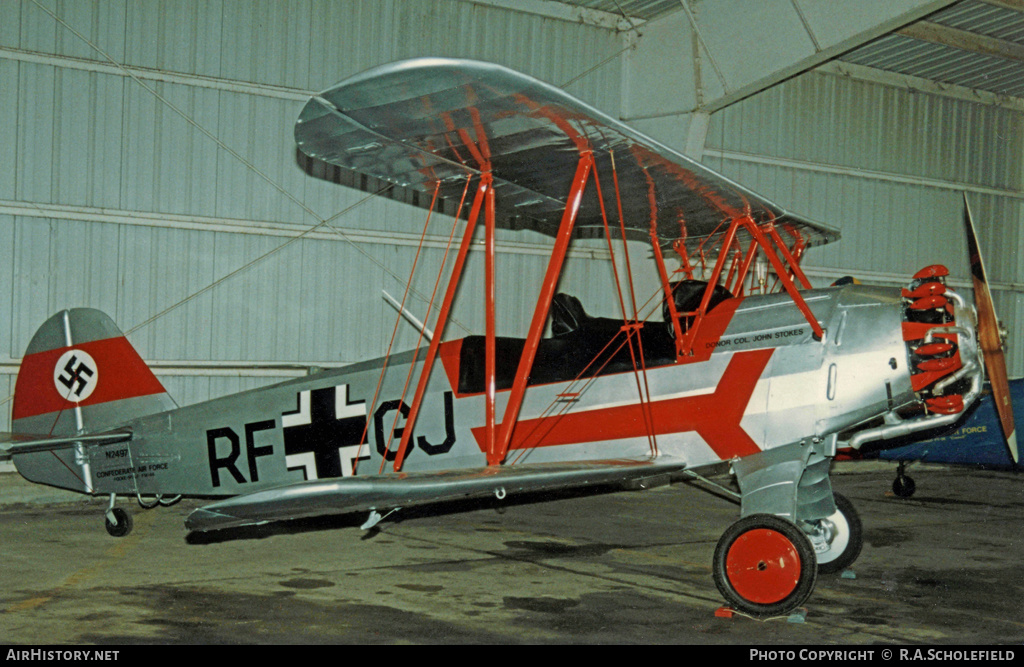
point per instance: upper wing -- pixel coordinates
(425, 120)
(350, 494)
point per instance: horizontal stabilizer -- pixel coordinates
(350, 494)
(26, 443)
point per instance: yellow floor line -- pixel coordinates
(109, 557)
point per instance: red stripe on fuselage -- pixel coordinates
(715, 417)
(121, 374)
(450, 353)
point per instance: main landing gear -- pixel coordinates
(765, 565)
(838, 538)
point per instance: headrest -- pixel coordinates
(567, 314)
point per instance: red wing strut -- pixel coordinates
(430, 123)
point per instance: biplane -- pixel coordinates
(735, 362)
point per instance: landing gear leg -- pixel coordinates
(765, 566)
(118, 521)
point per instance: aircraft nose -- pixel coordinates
(940, 331)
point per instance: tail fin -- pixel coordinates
(81, 375)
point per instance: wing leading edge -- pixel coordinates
(352, 494)
(421, 121)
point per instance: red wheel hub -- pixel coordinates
(763, 566)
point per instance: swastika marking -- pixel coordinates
(75, 375)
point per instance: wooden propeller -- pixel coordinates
(989, 337)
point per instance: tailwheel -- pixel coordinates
(839, 539)
(903, 486)
(764, 566)
(118, 522)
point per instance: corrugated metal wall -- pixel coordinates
(115, 196)
(888, 167)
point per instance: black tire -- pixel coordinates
(123, 525)
(764, 566)
(848, 541)
(904, 486)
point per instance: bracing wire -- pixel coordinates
(323, 222)
(266, 178)
(249, 165)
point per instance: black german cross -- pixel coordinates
(322, 431)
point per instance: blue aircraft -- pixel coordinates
(976, 440)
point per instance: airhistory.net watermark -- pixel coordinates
(60, 655)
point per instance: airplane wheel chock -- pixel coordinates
(765, 566)
(846, 535)
(118, 522)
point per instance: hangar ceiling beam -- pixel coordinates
(713, 54)
(564, 12)
(966, 41)
(1014, 5)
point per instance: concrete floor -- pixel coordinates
(626, 567)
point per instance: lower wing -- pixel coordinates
(351, 494)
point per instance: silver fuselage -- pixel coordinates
(757, 379)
